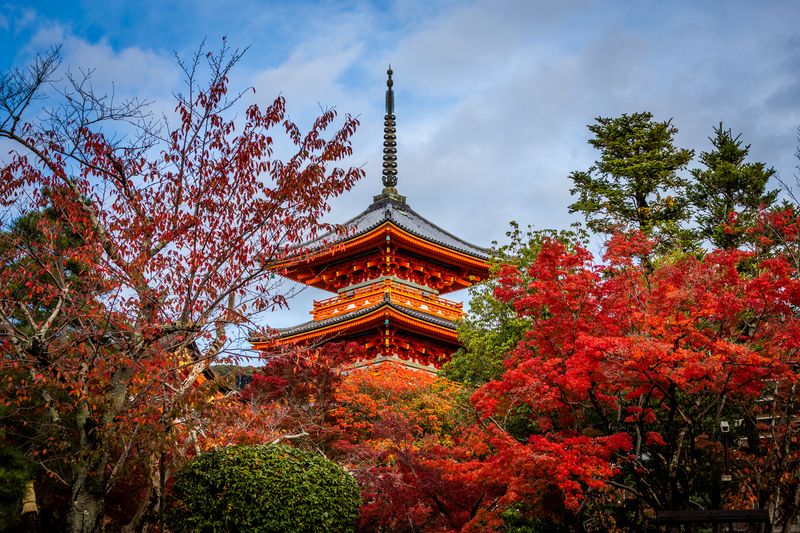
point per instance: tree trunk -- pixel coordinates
(149, 513)
(88, 485)
(148, 509)
(86, 511)
(30, 511)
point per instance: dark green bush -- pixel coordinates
(15, 471)
(263, 488)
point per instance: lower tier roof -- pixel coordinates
(386, 304)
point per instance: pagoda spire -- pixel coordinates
(389, 139)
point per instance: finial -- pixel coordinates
(389, 137)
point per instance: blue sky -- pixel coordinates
(492, 97)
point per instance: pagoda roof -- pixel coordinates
(345, 317)
(391, 207)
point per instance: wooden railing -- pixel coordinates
(399, 293)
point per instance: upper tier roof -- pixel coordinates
(354, 252)
(391, 207)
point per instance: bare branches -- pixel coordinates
(220, 64)
(20, 87)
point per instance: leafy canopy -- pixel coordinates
(492, 328)
(627, 370)
(144, 248)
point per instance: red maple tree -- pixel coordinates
(105, 335)
(290, 398)
(627, 370)
(397, 429)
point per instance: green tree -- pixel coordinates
(728, 185)
(263, 488)
(636, 183)
(22, 426)
(493, 328)
(15, 471)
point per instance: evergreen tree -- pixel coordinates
(635, 185)
(15, 471)
(493, 328)
(728, 193)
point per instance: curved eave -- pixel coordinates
(387, 210)
(462, 246)
(365, 318)
(365, 239)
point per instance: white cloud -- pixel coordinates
(24, 18)
(307, 80)
(132, 71)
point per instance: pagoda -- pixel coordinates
(388, 268)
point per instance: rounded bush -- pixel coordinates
(263, 488)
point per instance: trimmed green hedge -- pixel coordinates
(263, 488)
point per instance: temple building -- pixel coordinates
(387, 268)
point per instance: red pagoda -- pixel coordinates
(387, 268)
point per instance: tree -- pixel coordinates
(15, 473)
(175, 228)
(290, 399)
(625, 374)
(263, 488)
(728, 193)
(768, 433)
(636, 183)
(24, 421)
(492, 328)
(396, 432)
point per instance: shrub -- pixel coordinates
(263, 488)
(15, 471)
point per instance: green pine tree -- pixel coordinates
(636, 183)
(728, 185)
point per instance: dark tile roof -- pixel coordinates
(393, 207)
(318, 324)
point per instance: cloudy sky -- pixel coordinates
(492, 97)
